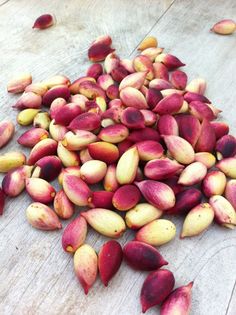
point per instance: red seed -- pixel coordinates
(170, 104)
(167, 125)
(74, 234)
(172, 62)
(156, 287)
(185, 201)
(119, 73)
(95, 71)
(109, 260)
(55, 92)
(86, 266)
(142, 256)
(111, 62)
(201, 110)
(189, 128)
(144, 134)
(153, 97)
(32, 136)
(124, 146)
(43, 21)
(112, 92)
(86, 121)
(160, 84)
(179, 79)
(76, 189)
(2, 201)
(67, 113)
(207, 139)
(132, 118)
(157, 194)
(226, 147)
(159, 169)
(43, 148)
(50, 167)
(191, 96)
(173, 183)
(126, 197)
(178, 302)
(101, 199)
(221, 128)
(99, 51)
(56, 105)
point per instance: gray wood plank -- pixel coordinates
(33, 263)
(36, 277)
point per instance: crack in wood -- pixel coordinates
(152, 27)
(230, 299)
(208, 260)
(5, 2)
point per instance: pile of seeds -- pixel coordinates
(150, 137)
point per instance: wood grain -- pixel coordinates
(36, 276)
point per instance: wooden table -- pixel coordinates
(36, 276)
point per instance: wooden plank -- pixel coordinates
(36, 277)
(232, 301)
(184, 31)
(33, 262)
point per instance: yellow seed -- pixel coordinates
(42, 120)
(127, 166)
(148, 42)
(37, 88)
(157, 233)
(26, 116)
(205, 158)
(105, 222)
(184, 108)
(142, 214)
(101, 103)
(197, 86)
(67, 157)
(56, 80)
(11, 160)
(228, 166)
(197, 220)
(152, 52)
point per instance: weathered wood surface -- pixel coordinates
(36, 276)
